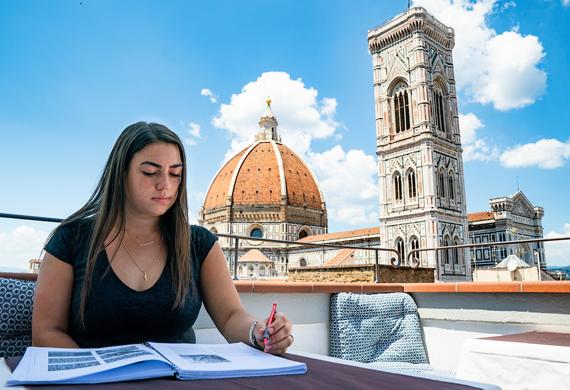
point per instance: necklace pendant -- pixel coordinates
(145, 277)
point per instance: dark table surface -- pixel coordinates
(546, 338)
(320, 374)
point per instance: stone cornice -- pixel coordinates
(416, 19)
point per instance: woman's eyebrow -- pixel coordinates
(156, 165)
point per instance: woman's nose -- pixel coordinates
(163, 182)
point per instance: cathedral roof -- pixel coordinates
(254, 256)
(267, 173)
(344, 235)
(480, 216)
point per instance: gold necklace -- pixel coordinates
(145, 274)
(140, 245)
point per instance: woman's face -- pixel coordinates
(153, 179)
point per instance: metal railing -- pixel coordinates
(395, 261)
(237, 239)
(415, 262)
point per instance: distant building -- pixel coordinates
(34, 266)
(315, 256)
(422, 191)
(510, 218)
(265, 191)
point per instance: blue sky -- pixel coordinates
(73, 74)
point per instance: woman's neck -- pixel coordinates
(142, 226)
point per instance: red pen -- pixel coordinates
(269, 322)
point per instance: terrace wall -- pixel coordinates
(361, 274)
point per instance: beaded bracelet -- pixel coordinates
(252, 339)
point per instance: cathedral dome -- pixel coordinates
(266, 173)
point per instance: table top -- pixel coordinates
(544, 338)
(321, 370)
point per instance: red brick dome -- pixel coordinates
(266, 173)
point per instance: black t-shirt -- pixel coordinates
(116, 314)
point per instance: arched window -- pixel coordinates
(401, 250)
(441, 185)
(302, 262)
(261, 270)
(451, 186)
(401, 107)
(398, 187)
(412, 189)
(439, 108)
(458, 259)
(214, 230)
(305, 231)
(446, 254)
(415, 244)
(250, 270)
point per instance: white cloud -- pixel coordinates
(301, 116)
(349, 183)
(193, 132)
(474, 147)
(501, 69)
(546, 154)
(210, 95)
(558, 252)
(194, 129)
(566, 3)
(19, 246)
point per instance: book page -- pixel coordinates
(195, 361)
(68, 365)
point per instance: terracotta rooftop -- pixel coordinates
(254, 255)
(480, 216)
(343, 257)
(371, 231)
(262, 174)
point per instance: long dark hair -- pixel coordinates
(107, 206)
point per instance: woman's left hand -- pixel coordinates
(280, 336)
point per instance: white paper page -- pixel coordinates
(234, 357)
(42, 364)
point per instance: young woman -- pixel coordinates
(127, 267)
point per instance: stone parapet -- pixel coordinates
(361, 274)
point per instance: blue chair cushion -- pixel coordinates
(16, 298)
(376, 328)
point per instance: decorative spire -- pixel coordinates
(268, 125)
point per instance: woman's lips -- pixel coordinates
(161, 199)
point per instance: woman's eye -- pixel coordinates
(148, 173)
(176, 175)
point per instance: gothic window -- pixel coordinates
(400, 249)
(412, 188)
(415, 244)
(398, 187)
(401, 107)
(457, 252)
(440, 185)
(446, 252)
(439, 108)
(451, 186)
